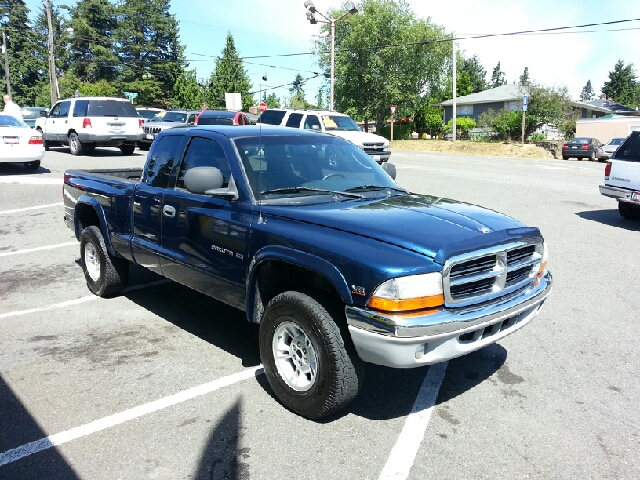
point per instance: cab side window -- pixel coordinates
(312, 122)
(162, 158)
(192, 119)
(64, 109)
(55, 111)
(80, 108)
(204, 152)
(294, 120)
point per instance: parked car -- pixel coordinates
(337, 264)
(622, 177)
(222, 117)
(147, 113)
(612, 145)
(31, 114)
(584, 147)
(20, 143)
(334, 123)
(164, 120)
(84, 123)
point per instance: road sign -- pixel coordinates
(525, 102)
(393, 109)
(263, 107)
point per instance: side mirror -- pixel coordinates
(208, 181)
(44, 113)
(390, 168)
(315, 127)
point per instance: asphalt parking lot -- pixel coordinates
(162, 382)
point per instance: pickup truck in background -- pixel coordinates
(310, 237)
(622, 177)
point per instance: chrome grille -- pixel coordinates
(490, 273)
(373, 147)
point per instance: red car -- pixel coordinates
(222, 117)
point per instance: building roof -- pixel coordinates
(505, 93)
(612, 106)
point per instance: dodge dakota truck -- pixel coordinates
(622, 177)
(310, 237)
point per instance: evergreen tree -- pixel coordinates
(622, 86)
(24, 69)
(187, 93)
(272, 101)
(477, 73)
(497, 77)
(524, 78)
(149, 49)
(229, 76)
(587, 92)
(297, 99)
(93, 51)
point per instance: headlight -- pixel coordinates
(405, 294)
(543, 262)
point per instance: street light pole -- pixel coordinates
(6, 62)
(311, 16)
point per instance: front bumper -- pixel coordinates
(619, 193)
(408, 342)
(378, 156)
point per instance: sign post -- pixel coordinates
(393, 114)
(263, 107)
(525, 104)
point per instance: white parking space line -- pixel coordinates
(29, 250)
(112, 420)
(31, 180)
(88, 298)
(404, 451)
(5, 212)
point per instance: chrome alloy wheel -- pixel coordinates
(92, 261)
(295, 356)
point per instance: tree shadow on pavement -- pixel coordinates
(18, 428)
(611, 218)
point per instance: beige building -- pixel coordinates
(606, 128)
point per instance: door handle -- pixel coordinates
(169, 211)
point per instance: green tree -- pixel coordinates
(587, 92)
(272, 101)
(547, 105)
(477, 73)
(229, 76)
(149, 50)
(187, 93)
(369, 78)
(497, 77)
(297, 99)
(24, 68)
(524, 79)
(507, 124)
(428, 119)
(93, 49)
(622, 86)
(101, 88)
(463, 84)
(463, 125)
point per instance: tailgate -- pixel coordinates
(624, 174)
(114, 116)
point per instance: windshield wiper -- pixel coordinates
(309, 189)
(365, 188)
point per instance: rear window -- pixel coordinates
(579, 141)
(215, 121)
(272, 117)
(630, 149)
(111, 108)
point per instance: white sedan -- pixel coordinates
(19, 143)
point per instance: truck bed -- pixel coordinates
(131, 175)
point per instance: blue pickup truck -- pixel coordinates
(316, 243)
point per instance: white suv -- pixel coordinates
(84, 123)
(334, 123)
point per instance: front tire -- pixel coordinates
(45, 144)
(105, 274)
(629, 211)
(127, 149)
(75, 145)
(311, 368)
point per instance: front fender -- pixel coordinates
(298, 258)
(85, 201)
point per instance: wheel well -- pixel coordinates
(86, 216)
(275, 277)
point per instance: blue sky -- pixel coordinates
(278, 27)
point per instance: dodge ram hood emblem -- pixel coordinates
(484, 229)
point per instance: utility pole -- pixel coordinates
(453, 118)
(6, 61)
(53, 79)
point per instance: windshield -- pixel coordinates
(339, 122)
(580, 141)
(321, 166)
(148, 114)
(32, 113)
(179, 117)
(215, 121)
(11, 121)
(616, 141)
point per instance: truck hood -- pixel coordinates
(431, 226)
(358, 138)
(162, 125)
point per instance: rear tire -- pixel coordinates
(312, 369)
(75, 145)
(144, 146)
(32, 165)
(564, 157)
(593, 157)
(629, 211)
(127, 149)
(105, 274)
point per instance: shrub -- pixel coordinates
(400, 131)
(537, 137)
(463, 125)
(428, 119)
